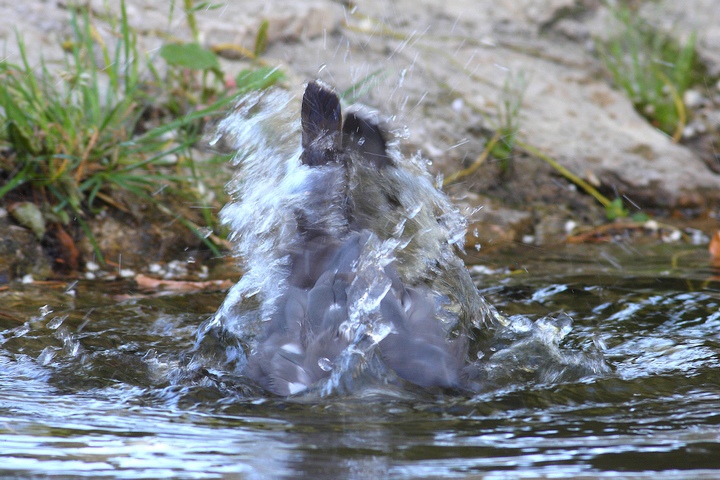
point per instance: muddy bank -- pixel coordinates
(444, 72)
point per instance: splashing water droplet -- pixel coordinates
(205, 232)
(215, 139)
(20, 331)
(412, 212)
(399, 228)
(45, 310)
(346, 331)
(56, 322)
(325, 364)
(380, 331)
(46, 356)
(401, 80)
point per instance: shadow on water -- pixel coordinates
(92, 387)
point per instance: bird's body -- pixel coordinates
(349, 249)
(356, 202)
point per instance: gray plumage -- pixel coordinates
(356, 197)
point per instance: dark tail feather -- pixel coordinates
(321, 125)
(367, 138)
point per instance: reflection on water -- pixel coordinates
(90, 387)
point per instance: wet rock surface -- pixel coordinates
(443, 71)
(20, 252)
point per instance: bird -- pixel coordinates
(372, 255)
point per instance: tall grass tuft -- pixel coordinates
(653, 68)
(73, 137)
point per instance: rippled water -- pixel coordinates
(89, 386)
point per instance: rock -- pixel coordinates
(127, 243)
(569, 111)
(21, 254)
(29, 215)
(493, 225)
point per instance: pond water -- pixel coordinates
(89, 386)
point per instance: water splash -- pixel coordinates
(404, 238)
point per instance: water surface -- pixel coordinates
(89, 386)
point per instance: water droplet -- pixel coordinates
(215, 139)
(480, 354)
(45, 310)
(345, 330)
(56, 322)
(412, 212)
(21, 330)
(46, 356)
(476, 233)
(325, 364)
(401, 80)
(205, 232)
(151, 355)
(361, 141)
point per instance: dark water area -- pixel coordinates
(91, 386)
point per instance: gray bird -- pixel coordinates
(372, 253)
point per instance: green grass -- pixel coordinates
(653, 68)
(71, 139)
(507, 122)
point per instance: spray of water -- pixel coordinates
(352, 277)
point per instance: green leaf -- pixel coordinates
(360, 88)
(616, 210)
(258, 79)
(261, 39)
(640, 217)
(189, 55)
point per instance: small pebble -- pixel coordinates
(673, 236)
(126, 273)
(204, 272)
(692, 99)
(570, 226)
